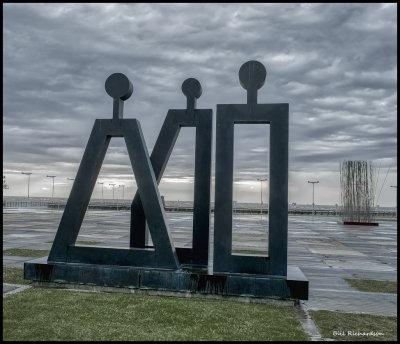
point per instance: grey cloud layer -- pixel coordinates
(336, 65)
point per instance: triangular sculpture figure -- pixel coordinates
(64, 249)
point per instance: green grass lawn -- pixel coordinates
(14, 275)
(350, 326)
(24, 252)
(373, 285)
(78, 242)
(48, 314)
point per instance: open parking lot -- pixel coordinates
(326, 251)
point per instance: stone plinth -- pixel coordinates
(187, 279)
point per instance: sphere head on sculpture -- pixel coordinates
(192, 88)
(252, 73)
(118, 86)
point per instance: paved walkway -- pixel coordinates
(325, 251)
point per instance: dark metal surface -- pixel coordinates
(252, 75)
(120, 89)
(164, 254)
(175, 119)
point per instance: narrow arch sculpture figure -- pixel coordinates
(174, 121)
(163, 267)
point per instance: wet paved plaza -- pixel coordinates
(325, 251)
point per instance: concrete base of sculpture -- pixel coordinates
(190, 279)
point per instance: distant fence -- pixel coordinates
(324, 212)
(24, 204)
(125, 206)
(338, 212)
(249, 211)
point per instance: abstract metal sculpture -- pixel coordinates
(164, 267)
(357, 192)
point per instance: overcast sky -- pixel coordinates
(335, 64)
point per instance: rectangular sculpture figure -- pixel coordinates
(277, 116)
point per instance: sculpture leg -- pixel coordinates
(81, 192)
(159, 159)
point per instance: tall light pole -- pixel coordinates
(395, 186)
(52, 194)
(261, 180)
(113, 189)
(102, 185)
(29, 178)
(313, 194)
(123, 189)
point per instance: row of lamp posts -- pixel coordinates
(123, 189)
(29, 179)
(113, 185)
(52, 193)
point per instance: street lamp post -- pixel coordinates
(113, 185)
(123, 189)
(261, 180)
(52, 194)
(102, 185)
(395, 186)
(313, 194)
(29, 178)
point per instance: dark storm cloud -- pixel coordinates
(335, 64)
